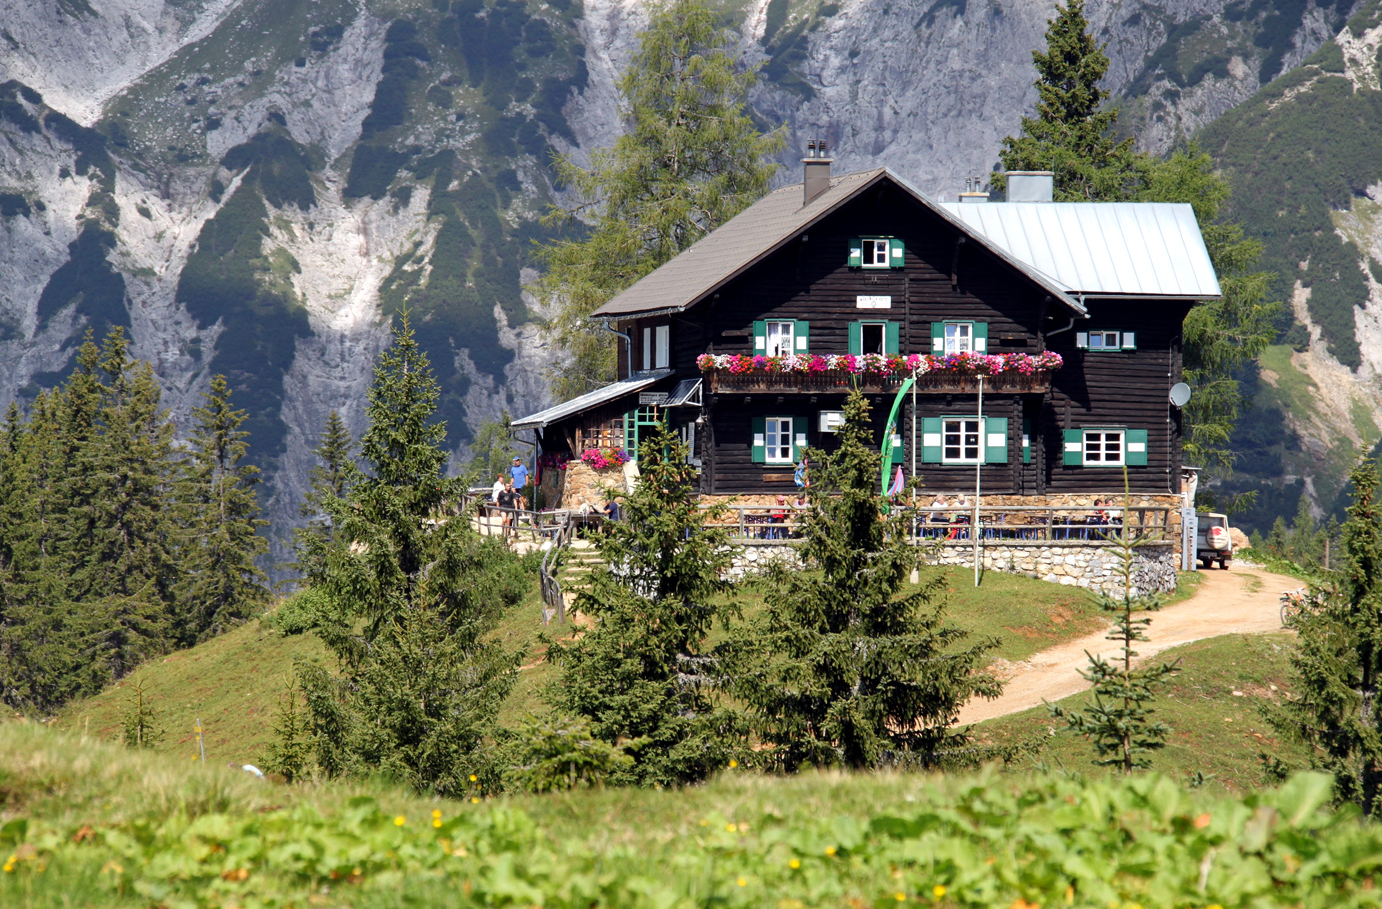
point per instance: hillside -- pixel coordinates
(252, 186)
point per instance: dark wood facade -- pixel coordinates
(946, 276)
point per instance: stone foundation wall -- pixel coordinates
(750, 560)
(1077, 564)
(580, 484)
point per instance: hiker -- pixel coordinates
(508, 502)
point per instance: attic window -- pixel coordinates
(876, 252)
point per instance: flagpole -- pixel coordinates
(978, 466)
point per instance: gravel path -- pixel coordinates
(1242, 600)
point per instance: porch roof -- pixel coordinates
(636, 382)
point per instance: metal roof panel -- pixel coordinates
(544, 418)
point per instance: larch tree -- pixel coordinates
(691, 158)
(641, 674)
(845, 668)
(221, 583)
(408, 591)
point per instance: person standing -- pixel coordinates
(508, 502)
(520, 477)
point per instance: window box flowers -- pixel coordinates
(601, 458)
(947, 373)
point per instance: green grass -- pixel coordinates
(1214, 731)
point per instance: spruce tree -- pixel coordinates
(408, 591)
(1119, 720)
(1337, 672)
(330, 479)
(290, 754)
(690, 159)
(221, 584)
(845, 669)
(641, 674)
(139, 727)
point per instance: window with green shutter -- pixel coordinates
(1105, 446)
(874, 337)
(781, 337)
(1026, 440)
(1106, 340)
(959, 337)
(856, 253)
(777, 440)
(964, 440)
(877, 252)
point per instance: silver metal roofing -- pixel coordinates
(636, 382)
(1102, 249)
(764, 226)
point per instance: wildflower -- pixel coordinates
(830, 850)
(900, 896)
(475, 800)
(733, 763)
(938, 891)
(741, 882)
(473, 778)
(436, 813)
(729, 828)
(794, 864)
(400, 821)
(436, 822)
(1202, 822)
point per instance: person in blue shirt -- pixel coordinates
(519, 474)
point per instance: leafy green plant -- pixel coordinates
(550, 754)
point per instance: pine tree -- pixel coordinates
(844, 669)
(1337, 672)
(1072, 134)
(1119, 719)
(330, 478)
(139, 728)
(290, 754)
(691, 158)
(408, 591)
(221, 584)
(642, 673)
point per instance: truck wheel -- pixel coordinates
(1205, 563)
(1223, 564)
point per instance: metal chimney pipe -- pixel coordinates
(815, 171)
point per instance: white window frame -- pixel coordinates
(1103, 337)
(959, 429)
(1097, 441)
(874, 248)
(662, 347)
(958, 344)
(882, 340)
(647, 348)
(777, 440)
(786, 329)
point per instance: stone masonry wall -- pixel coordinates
(1091, 565)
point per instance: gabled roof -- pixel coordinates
(767, 225)
(1103, 249)
(635, 382)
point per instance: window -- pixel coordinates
(877, 252)
(781, 342)
(832, 420)
(960, 441)
(1105, 446)
(647, 349)
(778, 440)
(874, 337)
(1106, 340)
(662, 350)
(964, 440)
(781, 337)
(959, 337)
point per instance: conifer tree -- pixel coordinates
(845, 669)
(221, 583)
(642, 673)
(408, 591)
(1337, 672)
(690, 159)
(290, 754)
(139, 728)
(329, 481)
(1072, 134)
(1119, 719)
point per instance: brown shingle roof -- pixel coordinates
(764, 226)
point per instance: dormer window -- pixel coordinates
(876, 252)
(1106, 340)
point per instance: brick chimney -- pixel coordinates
(817, 171)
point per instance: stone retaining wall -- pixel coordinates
(1094, 566)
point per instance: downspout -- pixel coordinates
(628, 343)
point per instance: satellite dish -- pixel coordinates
(1180, 394)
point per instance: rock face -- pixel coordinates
(252, 187)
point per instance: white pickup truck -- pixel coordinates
(1213, 543)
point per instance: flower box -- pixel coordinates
(952, 374)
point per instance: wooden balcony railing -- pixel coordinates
(723, 381)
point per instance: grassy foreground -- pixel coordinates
(87, 823)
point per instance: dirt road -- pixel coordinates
(1239, 601)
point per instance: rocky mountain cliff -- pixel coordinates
(252, 187)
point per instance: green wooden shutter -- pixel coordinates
(981, 337)
(1135, 447)
(760, 337)
(802, 336)
(897, 256)
(760, 448)
(930, 440)
(891, 338)
(856, 338)
(1129, 340)
(1073, 449)
(856, 253)
(1026, 440)
(996, 431)
(799, 440)
(937, 337)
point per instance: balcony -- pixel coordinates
(950, 374)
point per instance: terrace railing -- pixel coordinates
(723, 381)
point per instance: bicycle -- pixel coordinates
(1292, 605)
